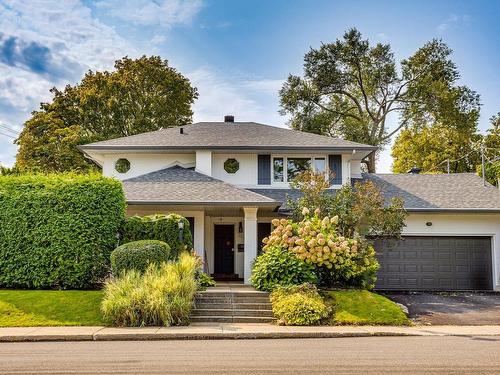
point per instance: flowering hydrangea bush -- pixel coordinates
(339, 260)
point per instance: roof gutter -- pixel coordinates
(451, 210)
(247, 148)
(208, 203)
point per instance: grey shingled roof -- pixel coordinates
(227, 135)
(185, 186)
(438, 192)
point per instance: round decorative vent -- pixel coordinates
(122, 165)
(231, 165)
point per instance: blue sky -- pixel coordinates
(236, 52)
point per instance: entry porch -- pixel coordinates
(227, 238)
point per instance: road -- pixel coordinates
(386, 355)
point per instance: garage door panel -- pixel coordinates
(435, 263)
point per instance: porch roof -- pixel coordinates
(177, 185)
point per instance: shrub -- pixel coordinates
(339, 260)
(158, 227)
(163, 295)
(138, 255)
(298, 306)
(277, 266)
(204, 281)
(58, 230)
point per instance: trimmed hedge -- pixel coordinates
(158, 227)
(58, 230)
(137, 255)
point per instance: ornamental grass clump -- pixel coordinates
(161, 296)
(315, 240)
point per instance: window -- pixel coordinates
(297, 165)
(122, 165)
(278, 170)
(231, 165)
(286, 168)
(319, 164)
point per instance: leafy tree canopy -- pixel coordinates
(361, 210)
(350, 88)
(140, 95)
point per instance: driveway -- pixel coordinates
(458, 308)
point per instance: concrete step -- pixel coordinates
(231, 294)
(232, 299)
(234, 313)
(230, 319)
(235, 306)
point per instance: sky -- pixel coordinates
(237, 53)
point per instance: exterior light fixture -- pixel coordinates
(180, 224)
(240, 227)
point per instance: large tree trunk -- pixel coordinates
(370, 162)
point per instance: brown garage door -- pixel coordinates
(435, 263)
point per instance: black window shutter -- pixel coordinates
(335, 164)
(264, 170)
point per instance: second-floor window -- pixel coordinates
(286, 168)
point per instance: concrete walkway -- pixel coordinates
(199, 331)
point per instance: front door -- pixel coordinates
(224, 250)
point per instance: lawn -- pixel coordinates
(356, 307)
(23, 308)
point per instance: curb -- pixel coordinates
(194, 336)
(228, 331)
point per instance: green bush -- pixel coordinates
(158, 227)
(204, 281)
(138, 255)
(299, 306)
(58, 230)
(277, 266)
(163, 295)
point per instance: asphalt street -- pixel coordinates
(424, 355)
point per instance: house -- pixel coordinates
(230, 179)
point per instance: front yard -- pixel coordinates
(356, 307)
(29, 308)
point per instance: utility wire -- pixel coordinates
(8, 135)
(8, 129)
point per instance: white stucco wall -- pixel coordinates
(355, 169)
(246, 175)
(204, 162)
(143, 163)
(460, 224)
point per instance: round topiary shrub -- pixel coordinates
(278, 266)
(299, 306)
(138, 255)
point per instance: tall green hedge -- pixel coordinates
(57, 231)
(158, 227)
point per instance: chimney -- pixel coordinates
(228, 118)
(181, 130)
(414, 170)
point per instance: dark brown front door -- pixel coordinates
(224, 249)
(263, 231)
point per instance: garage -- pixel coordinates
(435, 263)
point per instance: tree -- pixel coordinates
(350, 88)
(361, 210)
(491, 145)
(140, 95)
(431, 148)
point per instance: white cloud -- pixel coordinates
(165, 13)
(453, 21)
(221, 96)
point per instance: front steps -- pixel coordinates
(232, 303)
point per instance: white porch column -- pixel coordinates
(250, 238)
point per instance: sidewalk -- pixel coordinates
(203, 331)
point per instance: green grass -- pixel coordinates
(357, 307)
(28, 308)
